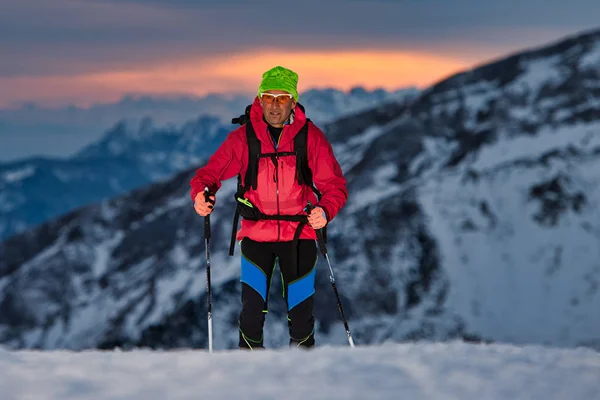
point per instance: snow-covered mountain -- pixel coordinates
(32, 129)
(134, 154)
(35, 129)
(35, 190)
(473, 214)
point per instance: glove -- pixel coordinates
(204, 204)
(317, 218)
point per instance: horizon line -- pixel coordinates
(173, 96)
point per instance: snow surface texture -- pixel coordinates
(417, 371)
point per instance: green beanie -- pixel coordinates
(280, 78)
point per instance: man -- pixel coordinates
(277, 202)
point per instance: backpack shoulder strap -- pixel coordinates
(304, 174)
(251, 178)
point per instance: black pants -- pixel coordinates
(258, 265)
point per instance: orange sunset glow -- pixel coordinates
(239, 73)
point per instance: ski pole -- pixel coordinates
(208, 286)
(323, 248)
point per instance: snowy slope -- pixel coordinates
(488, 186)
(453, 371)
(527, 228)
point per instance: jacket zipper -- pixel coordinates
(276, 178)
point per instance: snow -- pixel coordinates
(538, 72)
(434, 155)
(9, 201)
(505, 150)
(103, 251)
(18, 174)
(472, 97)
(432, 371)
(591, 59)
(382, 187)
(546, 271)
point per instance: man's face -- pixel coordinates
(277, 109)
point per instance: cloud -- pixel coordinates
(43, 41)
(115, 31)
(238, 73)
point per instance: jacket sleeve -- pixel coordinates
(327, 174)
(225, 163)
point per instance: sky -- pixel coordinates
(83, 52)
(442, 371)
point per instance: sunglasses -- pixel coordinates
(283, 98)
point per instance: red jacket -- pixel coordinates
(285, 194)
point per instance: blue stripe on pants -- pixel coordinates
(254, 277)
(301, 289)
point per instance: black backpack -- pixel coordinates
(303, 175)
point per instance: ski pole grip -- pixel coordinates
(207, 198)
(320, 239)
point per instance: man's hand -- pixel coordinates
(317, 218)
(202, 206)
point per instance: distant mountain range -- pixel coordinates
(133, 154)
(473, 214)
(61, 132)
